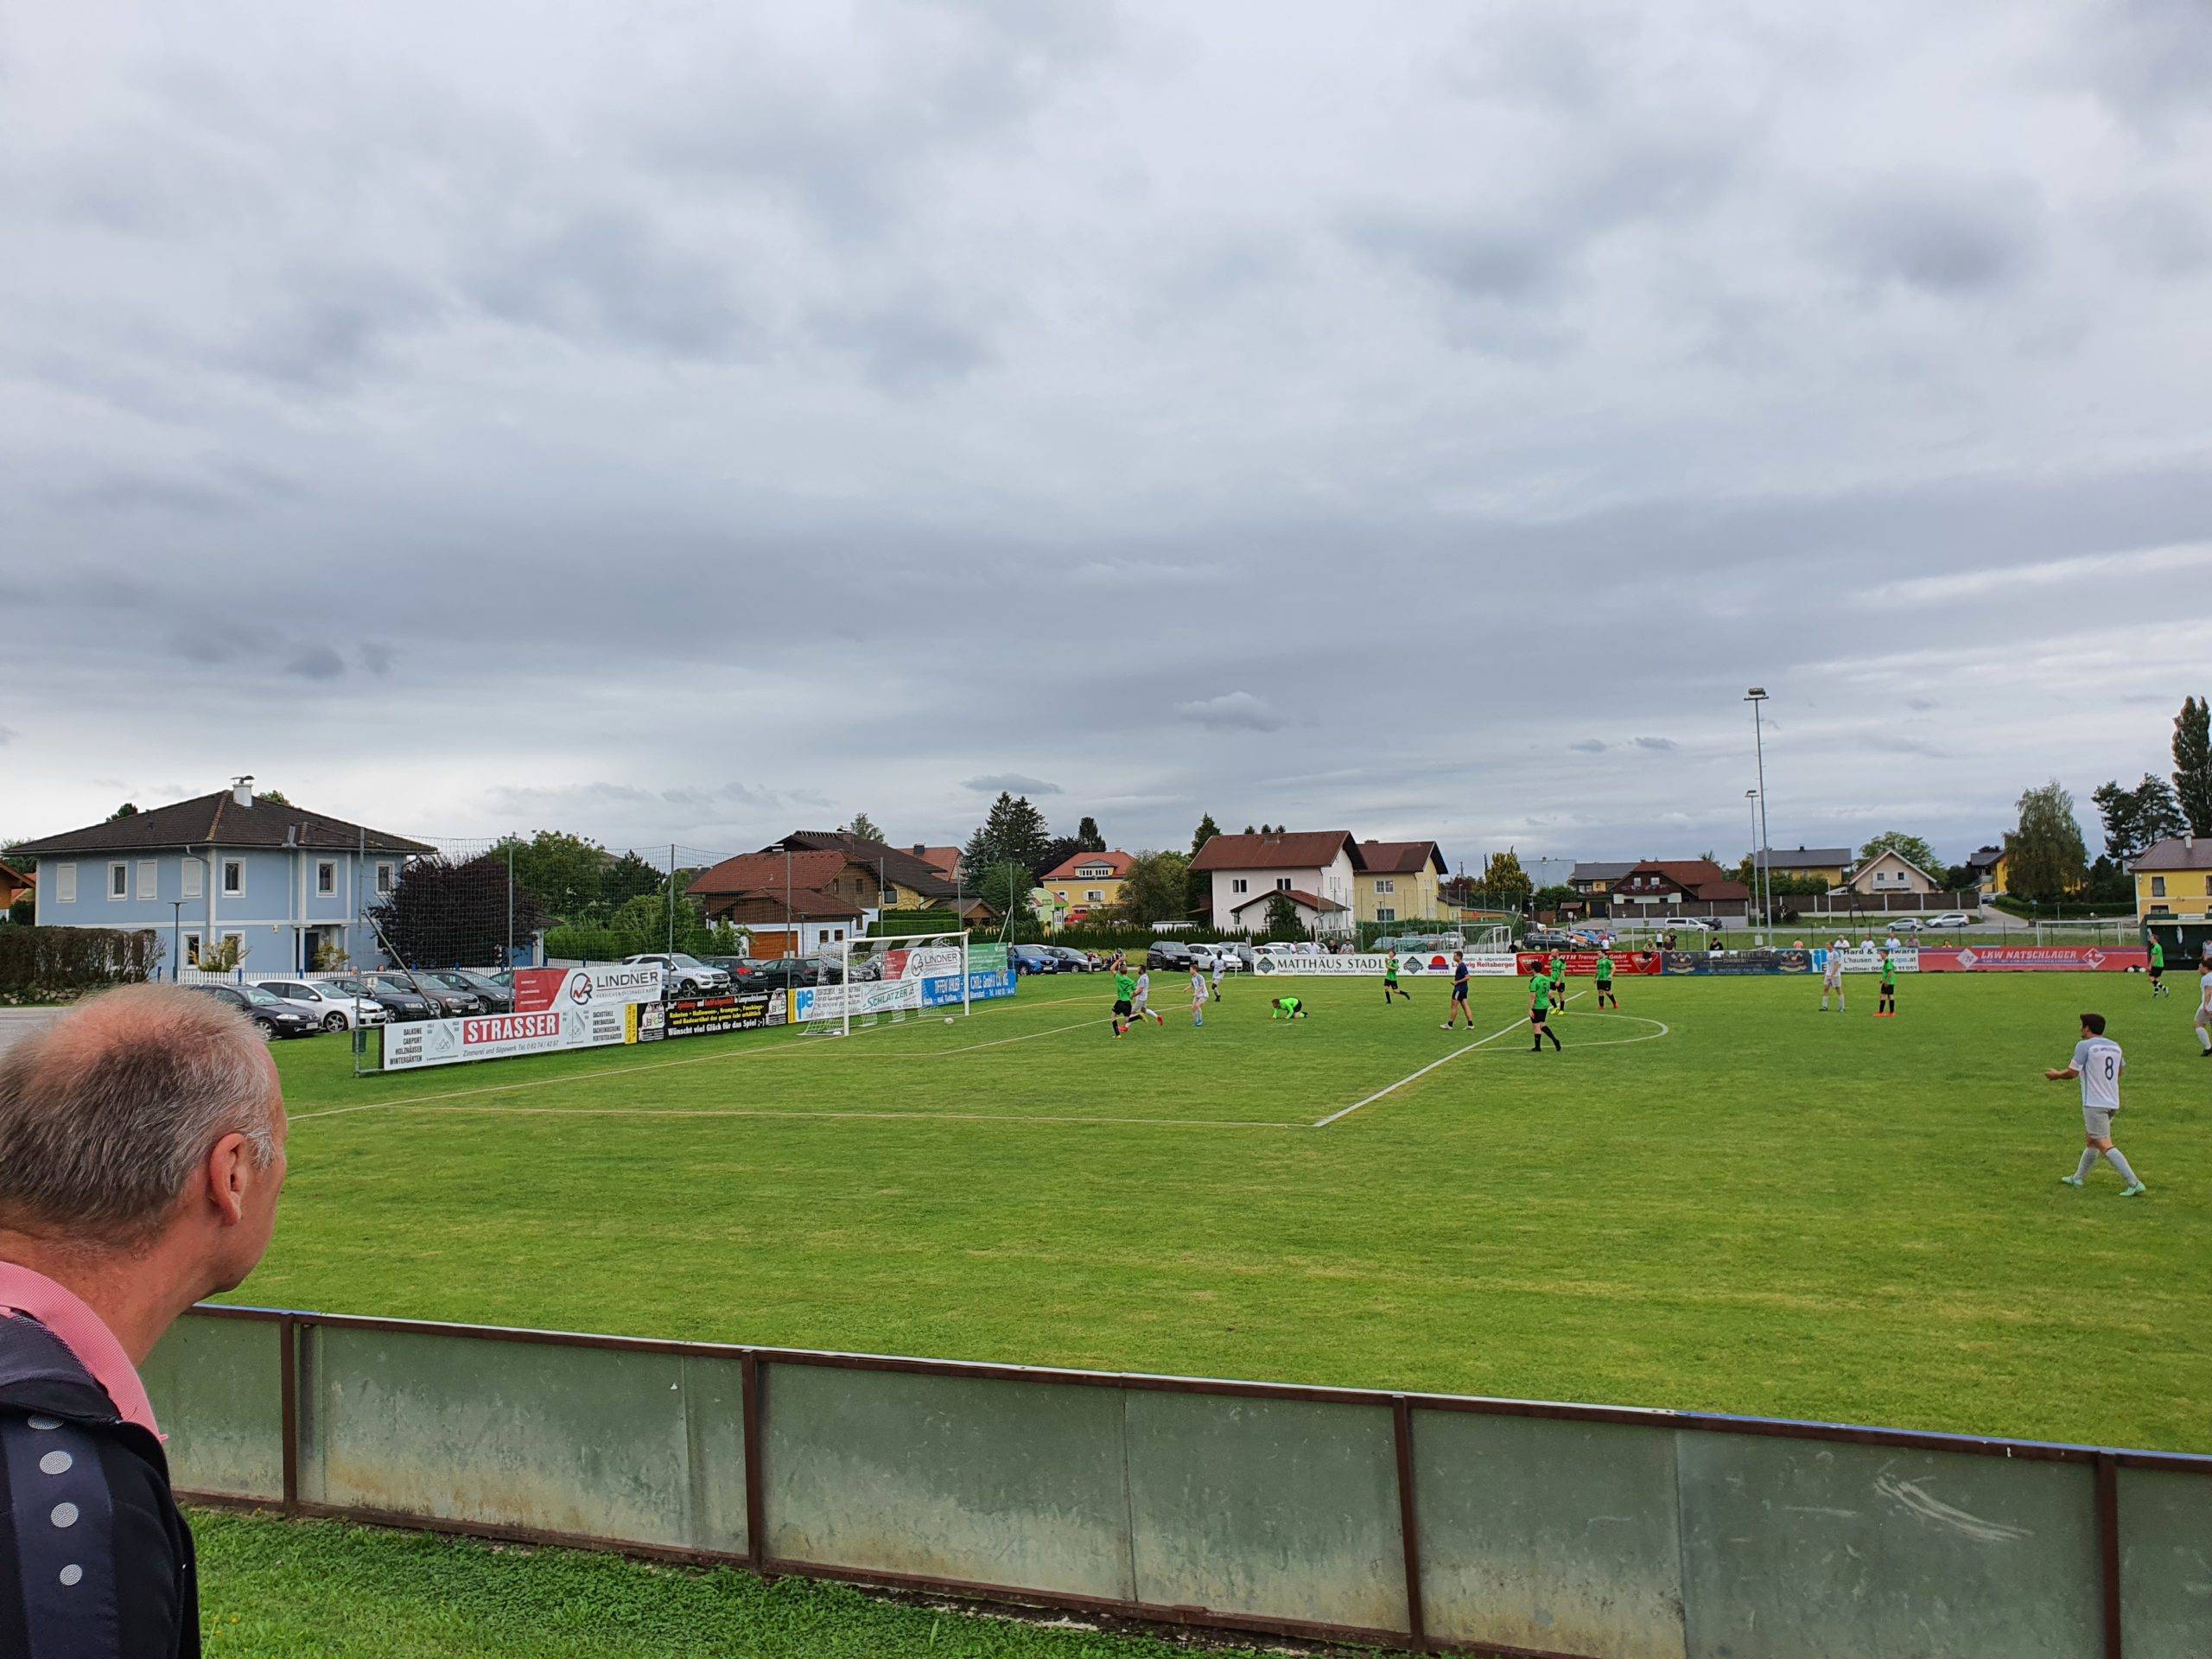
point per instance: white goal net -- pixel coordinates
(885, 978)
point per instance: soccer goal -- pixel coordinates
(885, 978)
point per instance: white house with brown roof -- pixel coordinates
(1320, 869)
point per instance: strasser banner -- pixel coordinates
(503, 1036)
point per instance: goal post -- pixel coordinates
(885, 979)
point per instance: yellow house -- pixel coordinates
(1397, 882)
(2173, 880)
(1829, 865)
(1993, 872)
(1088, 881)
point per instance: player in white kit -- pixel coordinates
(1142, 1006)
(2204, 1003)
(2098, 1061)
(1832, 976)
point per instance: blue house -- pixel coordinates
(285, 882)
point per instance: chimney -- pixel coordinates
(242, 790)
(919, 849)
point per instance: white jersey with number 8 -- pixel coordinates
(2100, 1062)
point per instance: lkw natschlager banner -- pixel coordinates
(2034, 958)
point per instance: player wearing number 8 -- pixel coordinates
(2099, 1062)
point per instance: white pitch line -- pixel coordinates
(768, 1050)
(1412, 1077)
(919, 1117)
(1615, 1042)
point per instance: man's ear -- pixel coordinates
(228, 1172)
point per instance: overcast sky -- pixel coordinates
(691, 421)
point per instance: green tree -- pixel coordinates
(2048, 860)
(1005, 886)
(1014, 833)
(276, 796)
(864, 827)
(642, 924)
(1157, 889)
(2134, 818)
(1283, 925)
(1087, 833)
(1505, 884)
(627, 877)
(562, 871)
(2193, 763)
(1911, 848)
(1197, 886)
(126, 810)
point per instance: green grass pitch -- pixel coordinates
(1720, 1200)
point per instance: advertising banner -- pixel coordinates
(983, 986)
(1370, 964)
(986, 958)
(2035, 958)
(575, 1024)
(1861, 959)
(538, 989)
(868, 996)
(1583, 964)
(1740, 962)
(697, 1016)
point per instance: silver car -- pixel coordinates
(331, 1008)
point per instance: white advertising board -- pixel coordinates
(1370, 965)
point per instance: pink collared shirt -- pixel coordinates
(82, 1333)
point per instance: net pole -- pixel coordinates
(846, 989)
(967, 1004)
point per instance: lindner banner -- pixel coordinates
(538, 989)
(575, 1019)
(1583, 964)
(2035, 958)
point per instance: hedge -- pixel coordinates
(46, 964)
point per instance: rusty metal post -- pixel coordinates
(288, 1386)
(1401, 1432)
(2108, 1548)
(756, 1540)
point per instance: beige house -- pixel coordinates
(2173, 880)
(1399, 882)
(1888, 872)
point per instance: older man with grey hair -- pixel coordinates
(142, 1150)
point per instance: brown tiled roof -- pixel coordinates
(1117, 866)
(2175, 853)
(1700, 877)
(1303, 850)
(943, 860)
(1314, 902)
(15, 877)
(219, 820)
(1400, 857)
(898, 866)
(803, 903)
(769, 873)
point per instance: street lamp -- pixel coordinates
(1755, 696)
(1752, 796)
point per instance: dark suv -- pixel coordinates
(1168, 954)
(273, 1016)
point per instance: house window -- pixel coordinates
(1384, 913)
(192, 949)
(384, 878)
(65, 883)
(890, 894)
(1282, 884)
(326, 876)
(1094, 895)
(1239, 884)
(2157, 886)
(193, 871)
(233, 877)
(1386, 887)
(229, 934)
(118, 881)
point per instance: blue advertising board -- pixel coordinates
(982, 987)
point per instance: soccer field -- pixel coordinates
(1718, 1199)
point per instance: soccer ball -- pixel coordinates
(948, 1019)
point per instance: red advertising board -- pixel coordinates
(2034, 958)
(1583, 964)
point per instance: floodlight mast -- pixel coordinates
(1763, 877)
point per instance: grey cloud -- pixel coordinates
(7, 734)
(910, 346)
(1589, 746)
(316, 663)
(375, 658)
(1232, 711)
(322, 328)
(608, 272)
(1010, 783)
(1952, 238)
(1663, 744)
(1919, 705)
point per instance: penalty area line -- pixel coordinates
(915, 1117)
(1414, 1077)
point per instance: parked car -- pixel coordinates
(1224, 956)
(1948, 920)
(1906, 925)
(448, 1003)
(1275, 950)
(784, 973)
(1169, 953)
(331, 1009)
(1073, 961)
(685, 976)
(1031, 959)
(495, 997)
(401, 1004)
(1236, 955)
(271, 1015)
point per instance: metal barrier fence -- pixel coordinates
(1438, 1522)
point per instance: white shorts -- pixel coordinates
(1142, 997)
(2204, 1017)
(2096, 1122)
(1832, 980)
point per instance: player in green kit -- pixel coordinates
(1288, 1008)
(1539, 1002)
(1391, 987)
(1558, 977)
(2158, 986)
(1886, 1008)
(1605, 979)
(1125, 997)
